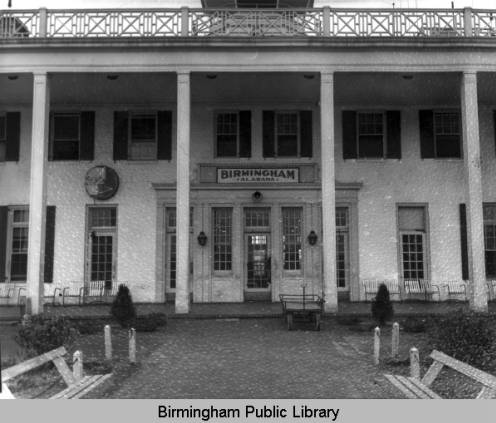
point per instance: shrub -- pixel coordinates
(414, 324)
(90, 326)
(39, 335)
(123, 308)
(382, 308)
(466, 336)
(150, 322)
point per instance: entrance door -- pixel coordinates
(342, 249)
(258, 264)
(102, 256)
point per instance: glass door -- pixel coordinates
(258, 262)
(102, 257)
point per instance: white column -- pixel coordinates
(182, 201)
(327, 176)
(472, 162)
(37, 192)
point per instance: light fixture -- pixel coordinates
(257, 196)
(312, 238)
(308, 76)
(407, 77)
(202, 239)
(211, 75)
(12, 77)
(112, 77)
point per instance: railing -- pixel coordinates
(185, 22)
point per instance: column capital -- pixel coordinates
(470, 75)
(183, 76)
(327, 77)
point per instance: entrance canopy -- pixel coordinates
(256, 4)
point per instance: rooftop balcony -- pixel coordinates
(324, 22)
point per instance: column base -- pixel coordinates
(331, 307)
(182, 305)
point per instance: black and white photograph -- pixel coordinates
(248, 200)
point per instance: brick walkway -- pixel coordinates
(253, 358)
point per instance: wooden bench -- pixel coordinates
(415, 288)
(371, 286)
(6, 291)
(414, 388)
(456, 289)
(76, 388)
(301, 307)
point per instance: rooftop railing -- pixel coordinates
(185, 22)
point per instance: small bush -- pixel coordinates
(382, 308)
(39, 335)
(414, 324)
(90, 326)
(150, 322)
(466, 336)
(123, 308)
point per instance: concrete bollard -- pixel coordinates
(132, 346)
(395, 341)
(414, 363)
(77, 365)
(377, 345)
(108, 343)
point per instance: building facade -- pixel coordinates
(229, 154)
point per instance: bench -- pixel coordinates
(456, 289)
(99, 291)
(76, 387)
(6, 291)
(301, 307)
(52, 295)
(371, 286)
(421, 287)
(414, 388)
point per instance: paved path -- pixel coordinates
(254, 358)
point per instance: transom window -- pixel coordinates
(103, 217)
(222, 230)
(143, 136)
(66, 136)
(447, 134)
(490, 239)
(19, 244)
(257, 217)
(171, 218)
(291, 237)
(287, 144)
(3, 137)
(370, 134)
(227, 131)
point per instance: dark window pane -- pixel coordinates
(66, 150)
(66, 127)
(287, 145)
(143, 128)
(226, 145)
(448, 146)
(370, 146)
(2, 128)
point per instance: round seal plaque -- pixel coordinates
(101, 182)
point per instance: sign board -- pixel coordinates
(257, 175)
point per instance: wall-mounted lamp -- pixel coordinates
(312, 238)
(257, 196)
(12, 77)
(407, 77)
(202, 239)
(308, 76)
(211, 75)
(112, 77)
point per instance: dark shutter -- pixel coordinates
(393, 123)
(306, 136)
(494, 123)
(349, 135)
(49, 243)
(426, 126)
(245, 133)
(268, 133)
(120, 135)
(4, 213)
(87, 142)
(164, 135)
(13, 136)
(463, 239)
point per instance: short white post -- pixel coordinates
(377, 345)
(108, 343)
(395, 341)
(414, 363)
(132, 345)
(77, 365)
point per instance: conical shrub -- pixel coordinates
(123, 308)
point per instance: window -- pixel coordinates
(370, 135)
(291, 237)
(412, 233)
(143, 136)
(227, 134)
(489, 211)
(19, 221)
(222, 230)
(447, 134)
(287, 134)
(342, 248)
(3, 137)
(66, 133)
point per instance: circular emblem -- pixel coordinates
(101, 182)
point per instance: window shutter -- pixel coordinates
(269, 133)
(13, 136)
(426, 126)
(494, 123)
(49, 243)
(4, 212)
(349, 135)
(164, 135)
(393, 123)
(87, 142)
(463, 239)
(120, 135)
(245, 133)
(306, 136)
